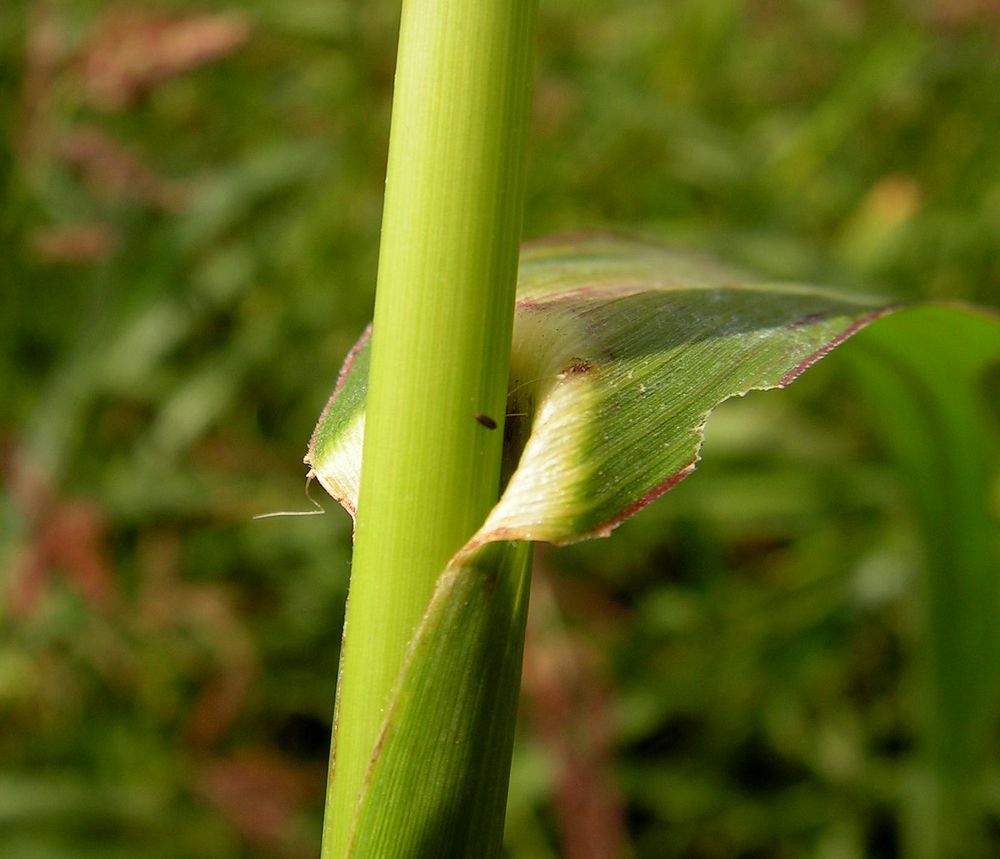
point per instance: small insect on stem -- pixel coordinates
(486, 421)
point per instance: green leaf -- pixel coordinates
(621, 352)
(924, 373)
(339, 435)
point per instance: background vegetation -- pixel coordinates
(190, 208)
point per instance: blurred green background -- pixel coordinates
(191, 196)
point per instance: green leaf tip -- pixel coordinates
(621, 351)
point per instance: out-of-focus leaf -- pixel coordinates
(924, 373)
(28, 800)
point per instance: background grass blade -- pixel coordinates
(925, 374)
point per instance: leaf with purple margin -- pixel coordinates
(621, 351)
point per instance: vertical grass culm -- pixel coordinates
(440, 348)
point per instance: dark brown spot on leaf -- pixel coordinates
(577, 366)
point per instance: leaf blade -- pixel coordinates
(615, 342)
(621, 352)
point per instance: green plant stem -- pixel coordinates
(440, 348)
